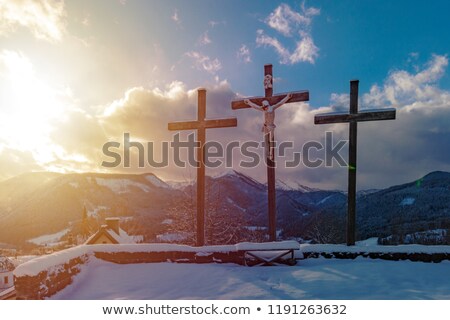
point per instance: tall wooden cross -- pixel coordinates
(353, 118)
(201, 124)
(268, 104)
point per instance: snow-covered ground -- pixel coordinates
(49, 239)
(407, 201)
(121, 185)
(361, 278)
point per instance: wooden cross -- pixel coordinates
(353, 118)
(201, 124)
(277, 101)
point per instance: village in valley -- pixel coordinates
(195, 181)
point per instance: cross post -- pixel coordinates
(270, 100)
(353, 117)
(201, 124)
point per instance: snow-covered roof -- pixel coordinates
(6, 265)
(117, 238)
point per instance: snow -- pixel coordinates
(325, 199)
(48, 262)
(407, 201)
(310, 279)
(49, 239)
(365, 246)
(429, 236)
(226, 173)
(255, 228)
(122, 237)
(157, 182)
(22, 259)
(172, 237)
(121, 185)
(6, 291)
(230, 201)
(179, 185)
(293, 186)
(94, 212)
(33, 267)
(167, 221)
(6, 265)
(368, 242)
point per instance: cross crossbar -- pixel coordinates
(297, 96)
(207, 124)
(369, 115)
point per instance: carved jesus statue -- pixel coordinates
(269, 120)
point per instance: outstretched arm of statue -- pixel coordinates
(253, 105)
(285, 99)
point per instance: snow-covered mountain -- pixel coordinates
(38, 204)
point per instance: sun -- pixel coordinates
(29, 106)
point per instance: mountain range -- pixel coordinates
(42, 203)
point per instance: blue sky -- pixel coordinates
(76, 74)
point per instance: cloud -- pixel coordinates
(203, 62)
(291, 24)
(404, 88)
(389, 152)
(306, 51)
(284, 19)
(16, 161)
(243, 54)
(175, 17)
(265, 40)
(415, 143)
(204, 39)
(213, 23)
(45, 18)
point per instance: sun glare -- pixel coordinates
(30, 106)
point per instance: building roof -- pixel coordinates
(6, 265)
(121, 238)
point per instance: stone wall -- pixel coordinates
(48, 282)
(172, 256)
(393, 256)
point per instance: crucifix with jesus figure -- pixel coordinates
(353, 118)
(268, 104)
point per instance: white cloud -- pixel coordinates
(265, 40)
(213, 23)
(203, 62)
(243, 54)
(291, 23)
(204, 39)
(284, 19)
(403, 88)
(175, 17)
(306, 51)
(45, 18)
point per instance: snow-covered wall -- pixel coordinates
(402, 252)
(44, 276)
(48, 282)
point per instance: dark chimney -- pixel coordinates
(113, 223)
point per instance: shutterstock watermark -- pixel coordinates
(311, 154)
